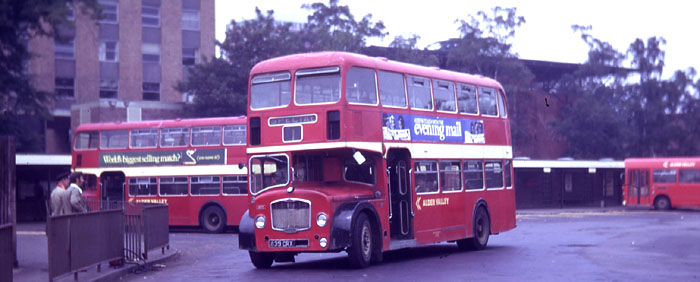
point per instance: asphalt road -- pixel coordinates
(579, 245)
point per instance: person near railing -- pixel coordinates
(57, 195)
(74, 193)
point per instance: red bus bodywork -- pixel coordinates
(126, 172)
(662, 183)
(417, 146)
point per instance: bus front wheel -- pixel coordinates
(662, 203)
(261, 260)
(360, 252)
(213, 219)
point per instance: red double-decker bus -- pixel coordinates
(662, 183)
(365, 155)
(193, 165)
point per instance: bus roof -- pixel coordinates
(345, 59)
(162, 123)
(680, 162)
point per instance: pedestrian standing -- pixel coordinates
(75, 193)
(57, 194)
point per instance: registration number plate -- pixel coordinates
(288, 243)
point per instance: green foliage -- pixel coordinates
(19, 101)
(329, 27)
(607, 114)
(334, 28)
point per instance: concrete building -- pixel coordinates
(121, 67)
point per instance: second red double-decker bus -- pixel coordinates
(365, 155)
(193, 165)
(662, 183)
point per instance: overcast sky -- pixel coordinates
(546, 35)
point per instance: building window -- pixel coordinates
(109, 89)
(150, 16)
(151, 91)
(150, 52)
(190, 56)
(64, 49)
(190, 19)
(65, 86)
(110, 11)
(70, 12)
(109, 51)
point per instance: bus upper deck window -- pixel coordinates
(488, 101)
(361, 86)
(392, 89)
(419, 93)
(86, 140)
(317, 86)
(466, 96)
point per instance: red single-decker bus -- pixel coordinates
(662, 183)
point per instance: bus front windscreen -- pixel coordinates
(268, 171)
(270, 90)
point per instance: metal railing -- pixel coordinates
(6, 257)
(146, 229)
(81, 240)
(77, 241)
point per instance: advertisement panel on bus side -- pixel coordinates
(434, 129)
(162, 158)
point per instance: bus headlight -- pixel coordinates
(323, 243)
(260, 221)
(321, 219)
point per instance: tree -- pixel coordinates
(219, 85)
(19, 100)
(329, 27)
(608, 114)
(334, 28)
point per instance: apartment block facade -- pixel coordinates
(123, 66)
(120, 67)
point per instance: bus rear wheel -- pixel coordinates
(662, 203)
(482, 230)
(261, 260)
(360, 252)
(213, 219)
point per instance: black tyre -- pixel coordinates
(213, 219)
(662, 203)
(482, 230)
(360, 253)
(261, 260)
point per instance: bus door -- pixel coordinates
(401, 221)
(112, 189)
(639, 187)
